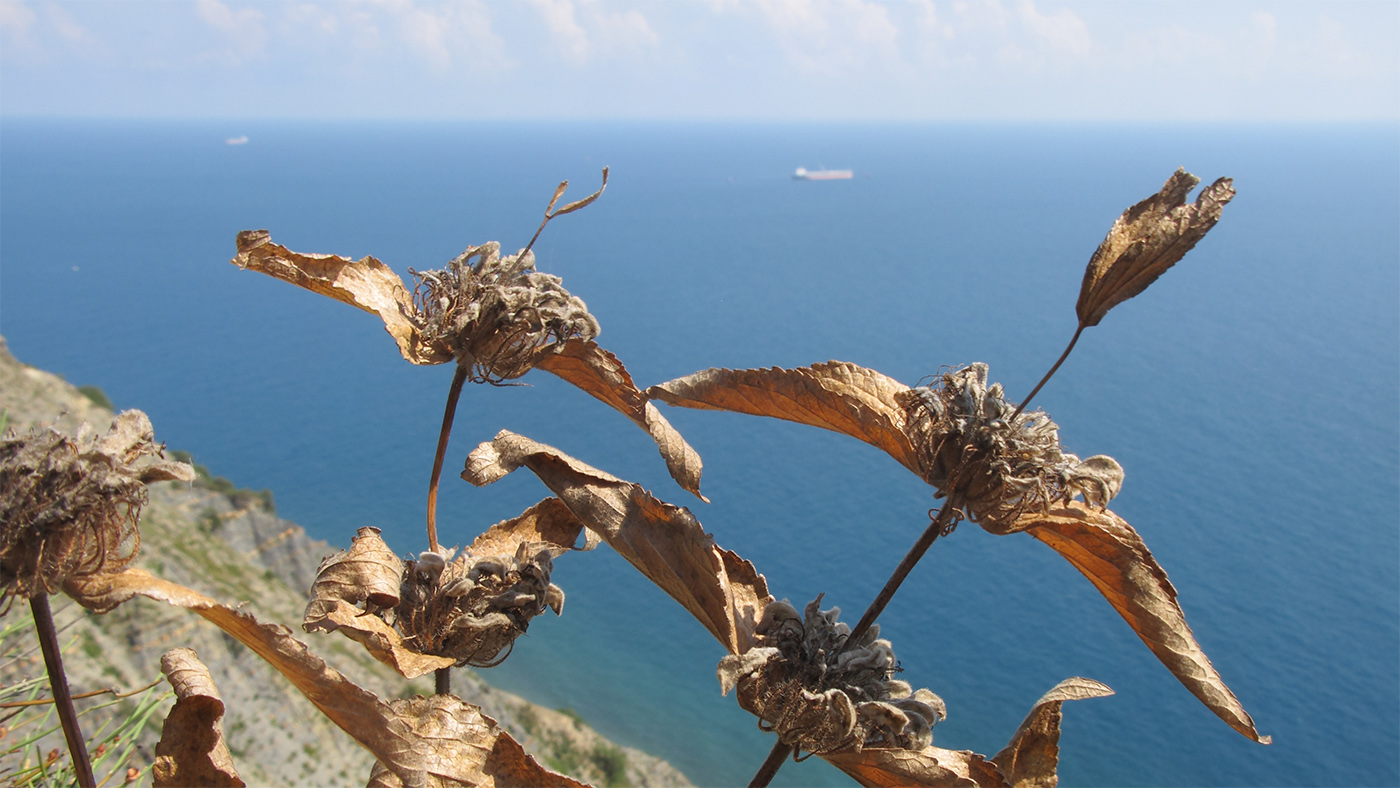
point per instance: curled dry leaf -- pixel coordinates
(1106, 549)
(1031, 758)
(1146, 240)
(191, 750)
(664, 542)
(398, 736)
(437, 611)
(495, 316)
(69, 506)
(914, 427)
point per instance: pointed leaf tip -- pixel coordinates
(1111, 554)
(1031, 758)
(1146, 240)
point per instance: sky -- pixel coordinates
(721, 60)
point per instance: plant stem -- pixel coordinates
(778, 755)
(1045, 379)
(453, 394)
(775, 760)
(932, 532)
(442, 681)
(62, 696)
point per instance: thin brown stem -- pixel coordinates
(775, 760)
(1052, 371)
(453, 394)
(442, 681)
(932, 532)
(112, 690)
(62, 696)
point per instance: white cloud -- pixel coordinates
(560, 20)
(66, 26)
(243, 27)
(16, 18)
(622, 30)
(1062, 30)
(831, 37)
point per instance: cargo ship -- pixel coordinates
(804, 174)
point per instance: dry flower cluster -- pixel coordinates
(999, 466)
(71, 507)
(823, 693)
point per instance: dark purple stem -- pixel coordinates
(453, 394)
(62, 696)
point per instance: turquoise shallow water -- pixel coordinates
(1251, 393)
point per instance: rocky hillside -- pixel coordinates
(226, 543)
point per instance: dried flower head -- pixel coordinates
(441, 608)
(472, 608)
(994, 466)
(821, 696)
(69, 506)
(496, 315)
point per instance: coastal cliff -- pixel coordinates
(229, 544)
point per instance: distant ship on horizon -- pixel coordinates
(804, 174)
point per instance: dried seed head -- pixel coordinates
(998, 468)
(820, 696)
(496, 315)
(473, 608)
(69, 506)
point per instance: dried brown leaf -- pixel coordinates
(664, 542)
(1107, 550)
(835, 396)
(401, 735)
(1029, 761)
(368, 573)
(365, 283)
(1146, 240)
(932, 767)
(576, 204)
(599, 373)
(548, 522)
(460, 746)
(191, 750)
(1032, 756)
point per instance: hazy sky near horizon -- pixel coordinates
(843, 60)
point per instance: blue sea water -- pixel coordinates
(1252, 394)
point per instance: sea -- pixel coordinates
(1252, 394)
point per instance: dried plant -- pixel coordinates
(782, 665)
(442, 741)
(497, 318)
(69, 505)
(823, 693)
(191, 750)
(442, 610)
(70, 508)
(1142, 244)
(998, 466)
(68, 511)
